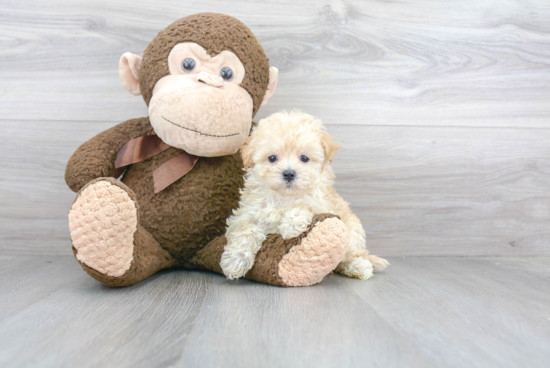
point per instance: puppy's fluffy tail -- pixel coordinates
(378, 264)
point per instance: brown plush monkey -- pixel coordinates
(203, 78)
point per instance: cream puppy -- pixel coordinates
(288, 180)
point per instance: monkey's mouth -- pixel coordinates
(201, 133)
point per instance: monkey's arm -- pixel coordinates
(96, 158)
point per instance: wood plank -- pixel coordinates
(252, 325)
(431, 63)
(417, 190)
(198, 319)
(421, 311)
(478, 312)
(26, 280)
(88, 325)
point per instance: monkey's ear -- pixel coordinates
(128, 69)
(273, 78)
(329, 145)
(246, 152)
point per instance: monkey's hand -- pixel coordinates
(295, 222)
(96, 158)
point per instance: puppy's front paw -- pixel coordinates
(292, 230)
(295, 222)
(359, 268)
(236, 264)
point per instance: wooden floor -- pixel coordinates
(420, 312)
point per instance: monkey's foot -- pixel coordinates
(103, 221)
(301, 261)
(108, 241)
(317, 255)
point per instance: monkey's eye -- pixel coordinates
(304, 158)
(226, 73)
(272, 158)
(188, 65)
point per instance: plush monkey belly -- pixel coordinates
(187, 215)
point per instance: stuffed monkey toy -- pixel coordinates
(155, 192)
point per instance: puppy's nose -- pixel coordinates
(289, 175)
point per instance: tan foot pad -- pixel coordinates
(318, 254)
(103, 220)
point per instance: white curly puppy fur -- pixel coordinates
(288, 180)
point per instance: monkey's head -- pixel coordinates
(203, 78)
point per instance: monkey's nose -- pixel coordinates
(289, 175)
(210, 79)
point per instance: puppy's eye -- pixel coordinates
(188, 65)
(226, 73)
(304, 158)
(272, 158)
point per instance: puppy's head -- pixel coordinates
(288, 152)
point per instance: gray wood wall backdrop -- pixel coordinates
(443, 109)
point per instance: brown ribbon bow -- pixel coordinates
(139, 149)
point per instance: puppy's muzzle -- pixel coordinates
(289, 176)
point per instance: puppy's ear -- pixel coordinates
(246, 152)
(329, 145)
